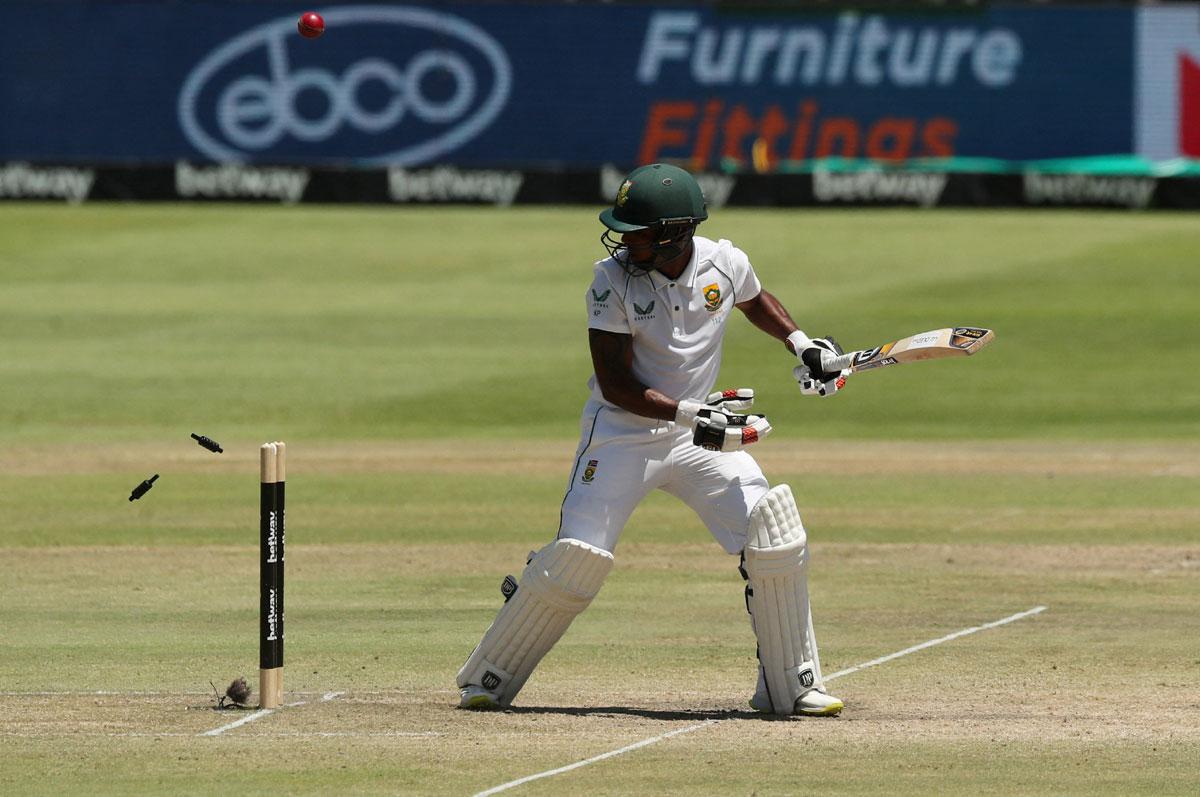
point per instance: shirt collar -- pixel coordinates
(688, 277)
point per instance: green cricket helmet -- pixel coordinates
(658, 196)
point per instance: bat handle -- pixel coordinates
(830, 362)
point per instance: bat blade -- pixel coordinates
(932, 345)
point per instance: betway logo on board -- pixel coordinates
(922, 189)
(408, 84)
(856, 50)
(23, 181)
(449, 184)
(1088, 189)
(231, 181)
(715, 187)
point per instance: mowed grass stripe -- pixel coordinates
(463, 490)
(130, 323)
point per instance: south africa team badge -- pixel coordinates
(589, 472)
(623, 193)
(712, 297)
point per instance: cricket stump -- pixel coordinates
(272, 468)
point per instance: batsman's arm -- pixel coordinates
(768, 314)
(612, 359)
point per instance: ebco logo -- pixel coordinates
(435, 82)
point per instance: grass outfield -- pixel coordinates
(427, 368)
(341, 324)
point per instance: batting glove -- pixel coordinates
(721, 432)
(725, 401)
(729, 401)
(813, 380)
(718, 424)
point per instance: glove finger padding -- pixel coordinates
(756, 429)
(720, 432)
(727, 402)
(811, 386)
(738, 400)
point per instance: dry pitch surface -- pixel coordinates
(108, 649)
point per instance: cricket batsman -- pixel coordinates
(658, 308)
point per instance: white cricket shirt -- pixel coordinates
(678, 326)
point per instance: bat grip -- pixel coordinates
(831, 362)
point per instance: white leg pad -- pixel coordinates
(558, 583)
(776, 565)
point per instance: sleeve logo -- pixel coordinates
(599, 298)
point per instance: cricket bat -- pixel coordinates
(932, 345)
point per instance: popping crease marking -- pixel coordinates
(262, 713)
(699, 726)
(325, 698)
(248, 718)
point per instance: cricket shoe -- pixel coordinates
(478, 698)
(813, 703)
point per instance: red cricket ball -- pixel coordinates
(310, 25)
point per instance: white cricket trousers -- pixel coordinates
(622, 457)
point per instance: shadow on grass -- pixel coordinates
(665, 715)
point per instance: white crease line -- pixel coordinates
(938, 641)
(238, 723)
(325, 698)
(707, 723)
(248, 718)
(594, 759)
